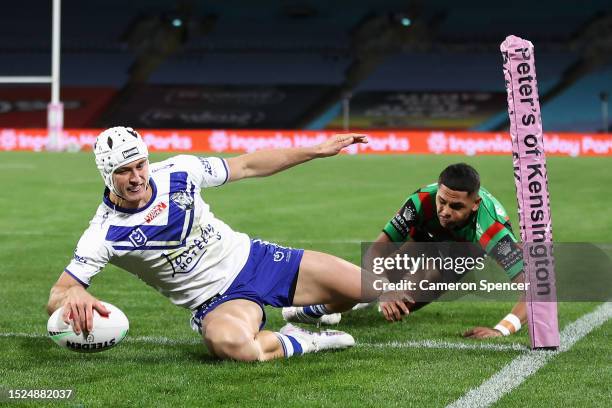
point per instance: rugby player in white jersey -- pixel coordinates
(154, 224)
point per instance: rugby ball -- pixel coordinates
(108, 331)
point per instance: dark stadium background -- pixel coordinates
(294, 64)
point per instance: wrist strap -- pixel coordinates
(508, 325)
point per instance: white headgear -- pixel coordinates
(116, 147)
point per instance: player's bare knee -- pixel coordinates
(235, 349)
(230, 342)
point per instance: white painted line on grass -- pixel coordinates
(428, 344)
(438, 344)
(129, 339)
(23, 335)
(164, 340)
(513, 374)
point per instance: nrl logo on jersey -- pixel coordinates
(138, 238)
(183, 200)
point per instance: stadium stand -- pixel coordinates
(367, 50)
(265, 69)
(565, 113)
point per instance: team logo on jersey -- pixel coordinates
(408, 213)
(507, 253)
(183, 200)
(505, 248)
(138, 238)
(158, 209)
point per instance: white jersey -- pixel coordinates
(174, 243)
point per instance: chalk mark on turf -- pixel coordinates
(514, 373)
(438, 344)
(511, 376)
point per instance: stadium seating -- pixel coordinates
(579, 107)
(300, 44)
(263, 69)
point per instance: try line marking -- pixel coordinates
(429, 344)
(509, 377)
(526, 364)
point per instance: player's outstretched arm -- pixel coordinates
(267, 162)
(392, 310)
(77, 302)
(509, 324)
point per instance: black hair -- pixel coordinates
(460, 177)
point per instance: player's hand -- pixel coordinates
(481, 333)
(335, 144)
(394, 311)
(78, 309)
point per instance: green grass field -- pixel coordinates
(331, 205)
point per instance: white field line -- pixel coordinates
(515, 372)
(129, 339)
(570, 335)
(427, 344)
(438, 344)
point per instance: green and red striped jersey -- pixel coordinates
(489, 227)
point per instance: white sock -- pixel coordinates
(291, 345)
(315, 310)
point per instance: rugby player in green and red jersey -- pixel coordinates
(455, 209)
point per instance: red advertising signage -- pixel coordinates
(26, 106)
(381, 142)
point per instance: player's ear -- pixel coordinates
(476, 203)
